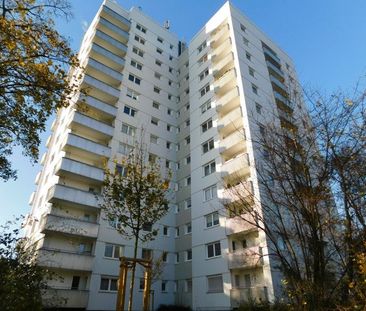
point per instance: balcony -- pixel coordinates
(103, 73)
(286, 116)
(70, 226)
(220, 35)
(107, 111)
(230, 123)
(68, 298)
(106, 57)
(278, 86)
(86, 148)
(31, 198)
(237, 225)
(248, 258)
(283, 101)
(117, 18)
(268, 52)
(101, 90)
(80, 171)
(91, 127)
(110, 43)
(113, 30)
(72, 196)
(232, 145)
(224, 65)
(221, 51)
(239, 296)
(38, 177)
(275, 70)
(228, 102)
(236, 168)
(225, 82)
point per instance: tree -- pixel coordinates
(134, 197)
(34, 83)
(311, 197)
(22, 281)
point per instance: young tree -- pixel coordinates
(34, 82)
(134, 197)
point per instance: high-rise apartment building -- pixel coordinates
(198, 105)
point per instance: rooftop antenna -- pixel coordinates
(167, 24)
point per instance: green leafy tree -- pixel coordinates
(134, 197)
(34, 79)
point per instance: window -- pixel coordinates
(132, 94)
(176, 257)
(75, 282)
(255, 89)
(201, 46)
(186, 77)
(124, 148)
(212, 220)
(169, 127)
(188, 228)
(188, 255)
(156, 90)
(262, 130)
(170, 82)
(248, 56)
(206, 106)
(128, 129)
(215, 284)
(208, 145)
(168, 145)
(156, 105)
(202, 59)
(129, 111)
(169, 111)
(163, 286)
(121, 170)
(165, 256)
(146, 253)
(158, 62)
(138, 51)
(243, 28)
(205, 90)
(187, 107)
(213, 249)
(251, 71)
(203, 74)
(166, 231)
(258, 108)
(154, 121)
(186, 91)
(210, 193)
(113, 251)
(188, 203)
(188, 140)
(139, 39)
(108, 284)
(136, 64)
(188, 159)
(176, 232)
(170, 69)
(206, 125)
(161, 40)
(188, 286)
(209, 168)
(157, 75)
(154, 139)
(187, 122)
(141, 28)
(134, 79)
(186, 64)
(188, 180)
(142, 284)
(160, 51)
(245, 41)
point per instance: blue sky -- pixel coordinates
(325, 38)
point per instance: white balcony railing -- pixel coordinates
(88, 146)
(246, 259)
(68, 298)
(99, 105)
(101, 128)
(239, 296)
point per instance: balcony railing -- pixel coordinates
(104, 73)
(224, 82)
(246, 259)
(102, 129)
(109, 42)
(68, 298)
(226, 63)
(221, 51)
(285, 101)
(236, 168)
(278, 71)
(237, 225)
(220, 35)
(70, 226)
(239, 296)
(230, 123)
(101, 86)
(112, 30)
(104, 108)
(271, 54)
(103, 55)
(87, 145)
(124, 22)
(228, 101)
(232, 144)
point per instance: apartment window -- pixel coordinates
(166, 231)
(157, 75)
(108, 284)
(129, 111)
(176, 232)
(206, 125)
(161, 40)
(165, 256)
(203, 59)
(136, 64)
(169, 127)
(170, 69)
(154, 121)
(245, 41)
(121, 170)
(203, 74)
(170, 82)
(187, 107)
(163, 286)
(146, 253)
(156, 105)
(213, 249)
(168, 145)
(188, 160)
(186, 77)
(176, 257)
(128, 129)
(158, 62)
(248, 56)
(188, 286)
(188, 140)
(188, 180)
(160, 51)
(188, 203)
(209, 168)
(154, 139)
(201, 47)
(134, 79)
(205, 90)
(75, 282)
(212, 220)
(113, 251)
(139, 39)
(188, 228)
(215, 284)
(169, 111)
(258, 108)
(138, 52)
(132, 94)
(243, 28)
(186, 64)
(208, 145)
(156, 90)
(209, 193)
(147, 226)
(124, 148)
(206, 106)
(142, 284)
(189, 255)
(251, 71)
(262, 130)
(186, 91)
(141, 28)
(187, 122)
(254, 89)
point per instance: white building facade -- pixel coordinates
(198, 106)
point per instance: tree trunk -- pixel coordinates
(132, 283)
